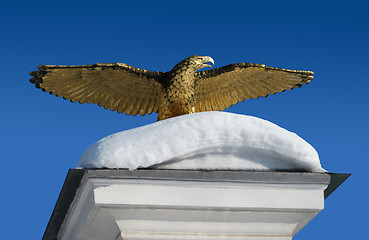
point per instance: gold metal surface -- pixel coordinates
(182, 90)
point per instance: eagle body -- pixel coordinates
(179, 95)
(182, 90)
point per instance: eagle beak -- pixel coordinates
(208, 60)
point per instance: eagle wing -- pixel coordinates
(220, 88)
(114, 86)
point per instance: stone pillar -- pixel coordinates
(173, 204)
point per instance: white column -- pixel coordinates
(206, 206)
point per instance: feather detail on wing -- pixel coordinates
(220, 88)
(114, 86)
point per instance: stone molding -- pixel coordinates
(174, 204)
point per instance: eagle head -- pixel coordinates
(199, 62)
(192, 64)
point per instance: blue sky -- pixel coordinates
(43, 136)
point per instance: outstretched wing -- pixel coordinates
(219, 88)
(117, 86)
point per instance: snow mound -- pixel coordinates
(207, 140)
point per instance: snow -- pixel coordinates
(207, 140)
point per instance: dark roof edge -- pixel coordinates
(66, 196)
(336, 180)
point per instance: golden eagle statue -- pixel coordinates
(182, 90)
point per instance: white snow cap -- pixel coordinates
(206, 140)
